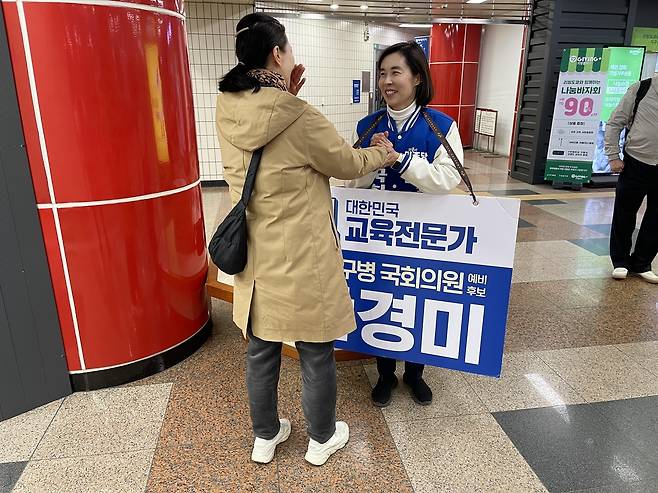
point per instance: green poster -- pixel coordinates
(624, 68)
(647, 37)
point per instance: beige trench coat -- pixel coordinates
(293, 287)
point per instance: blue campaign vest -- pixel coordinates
(415, 136)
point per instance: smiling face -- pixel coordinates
(397, 82)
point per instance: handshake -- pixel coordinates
(381, 140)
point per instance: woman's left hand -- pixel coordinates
(296, 81)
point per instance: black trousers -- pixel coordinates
(412, 371)
(637, 181)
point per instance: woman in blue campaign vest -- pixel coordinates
(423, 165)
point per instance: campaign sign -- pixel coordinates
(430, 276)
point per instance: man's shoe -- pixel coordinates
(420, 391)
(381, 394)
(263, 452)
(318, 453)
(620, 273)
(649, 276)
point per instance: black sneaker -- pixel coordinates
(420, 391)
(381, 394)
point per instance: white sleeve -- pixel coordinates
(365, 181)
(439, 176)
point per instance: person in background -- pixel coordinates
(422, 165)
(638, 180)
(293, 287)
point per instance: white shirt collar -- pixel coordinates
(401, 116)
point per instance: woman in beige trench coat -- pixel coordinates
(293, 287)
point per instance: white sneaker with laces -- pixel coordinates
(318, 453)
(263, 452)
(620, 273)
(649, 276)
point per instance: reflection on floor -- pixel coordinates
(576, 408)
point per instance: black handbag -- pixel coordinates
(228, 246)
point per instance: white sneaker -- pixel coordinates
(649, 276)
(318, 453)
(620, 273)
(263, 452)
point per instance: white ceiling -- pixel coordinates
(411, 11)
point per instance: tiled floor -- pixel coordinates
(576, 408)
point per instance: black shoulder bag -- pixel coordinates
(228, 246)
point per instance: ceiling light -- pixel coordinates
(417, 26)
(312, 16)
(364, 7)
(476, 1)
(334, 6)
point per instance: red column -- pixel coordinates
(454, 64)
(106, 103)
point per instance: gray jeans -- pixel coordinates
(318, 391)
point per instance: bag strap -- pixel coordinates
(367, 133)
(642, 91)
(250, 179)
(451, 153)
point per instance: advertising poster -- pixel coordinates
(647, 37)
(576, 116)
(623, 68)
(592, 82)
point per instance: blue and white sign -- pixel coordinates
(424, 43)
(356, 91)
(430, 276)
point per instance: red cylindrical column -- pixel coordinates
(106, 103)
(454, 63)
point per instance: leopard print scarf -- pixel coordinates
(268, 78)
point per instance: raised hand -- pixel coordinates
(296, 81)
(380, 138)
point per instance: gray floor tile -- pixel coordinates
(648, 486)
(576, 448)
(600, 228)
(9, 474)
(637, 419)
(461, 454)
(526, 382)
(106, 421)
(545, 202)
(598, 246)
(601, 373)
(504, 193)
(525, 224)
(605, 229)
(113, 473)
(20, 436)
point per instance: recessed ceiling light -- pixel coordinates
(364, 7)
(417, 26)
(334, 6)
(476, 1)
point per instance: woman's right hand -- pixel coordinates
(381, 140)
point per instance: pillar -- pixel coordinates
(454, 65)
(106, 105)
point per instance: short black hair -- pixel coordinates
(417, 61)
